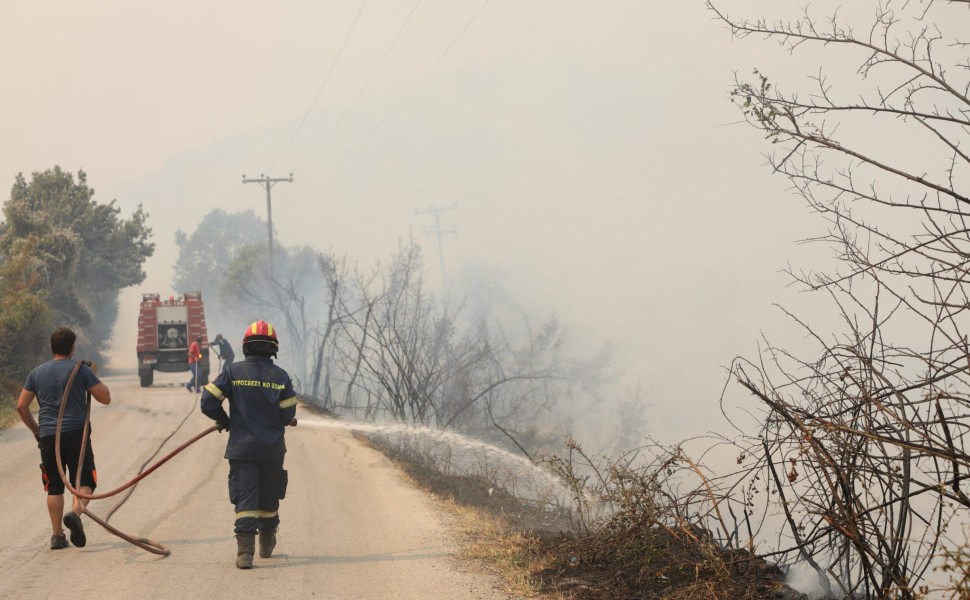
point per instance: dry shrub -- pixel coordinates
(955, 564)
(646, 531)
(653, 531)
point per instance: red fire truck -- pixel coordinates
(165, 330)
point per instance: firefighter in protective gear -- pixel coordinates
(261, 404)
(195, 356)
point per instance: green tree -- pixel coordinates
(25, 319)
(205, 255)
(84, 252)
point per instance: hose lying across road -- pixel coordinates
(143, 543)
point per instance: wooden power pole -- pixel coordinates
(268, 182)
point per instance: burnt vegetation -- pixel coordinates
(852, 460)
(850, 453)
(851, 450)
(861, 448)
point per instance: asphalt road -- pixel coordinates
(351, 526)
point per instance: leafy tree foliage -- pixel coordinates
(79, 253)
(25, 319)
(206, 254)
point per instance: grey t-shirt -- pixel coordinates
(48, 381)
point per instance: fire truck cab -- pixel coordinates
(165, 330)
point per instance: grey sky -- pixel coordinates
(590, 146)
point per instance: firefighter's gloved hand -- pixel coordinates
(222, 426)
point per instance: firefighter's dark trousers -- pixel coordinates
(256, 488)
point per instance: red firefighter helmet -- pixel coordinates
(260, 331)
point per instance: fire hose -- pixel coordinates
(143, 543)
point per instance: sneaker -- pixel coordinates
(188, 386)
(58, 542)
(73, 522)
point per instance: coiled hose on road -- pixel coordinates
(143, 543)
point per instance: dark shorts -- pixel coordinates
(70, 451)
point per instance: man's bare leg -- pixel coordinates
(81, 502)
(55, 508)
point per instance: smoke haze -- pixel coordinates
(591, 150)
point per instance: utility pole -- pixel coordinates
(437, 230)
(268, 183)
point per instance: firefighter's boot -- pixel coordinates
(245, 547)
(267, 541)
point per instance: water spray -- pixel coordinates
(517, 464)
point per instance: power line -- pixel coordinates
(329, 211)
(322, 85)
(353, 102)
(409, 92)
(371, 212)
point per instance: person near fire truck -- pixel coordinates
(223, 350)
(195, 355)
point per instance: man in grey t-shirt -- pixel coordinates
(47, 383)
